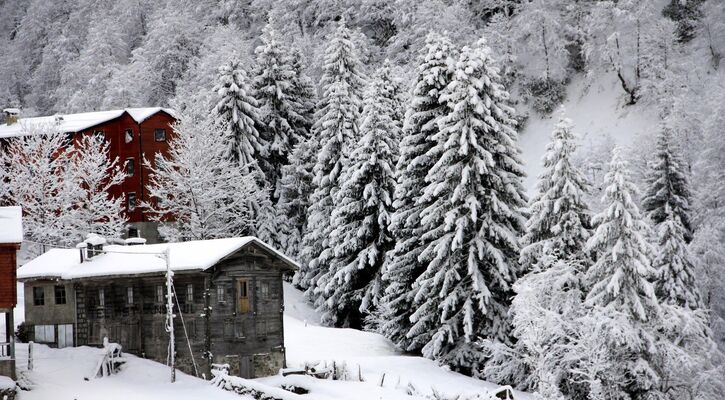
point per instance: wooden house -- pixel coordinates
(134, 134)
(11, 235)
(228, 301)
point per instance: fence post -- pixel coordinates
(30, 355)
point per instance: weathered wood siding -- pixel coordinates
(252, 342)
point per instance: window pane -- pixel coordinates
(131, 200)
(128, 136)
(101, 297)
(130, 295)
(38, 296)
(60, 296)
(160, 135)
(130, 167)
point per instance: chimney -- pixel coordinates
(11, 115)
(91, 247)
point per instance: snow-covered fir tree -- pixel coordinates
(676, 282)
(403, 266)
(559, 216)
(621, 278)
(284, 123)
(620, 285)
(209, 195)
(473, 222)
(237, 113)
(336, 129)
(295, 190)
(352, 286)
(668, 188)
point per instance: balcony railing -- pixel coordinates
(4, 350)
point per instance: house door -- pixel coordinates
(65, 336)
(243, 292)
(245, 367)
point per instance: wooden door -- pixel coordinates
(243, 295)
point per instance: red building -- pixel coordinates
(11, 235)
(133, 134)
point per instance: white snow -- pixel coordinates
(6, 383)
(11, 224)
(146, 259)
(77, 122)
(597, 108)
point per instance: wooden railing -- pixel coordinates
(5, 350)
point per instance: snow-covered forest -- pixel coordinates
(379, 143)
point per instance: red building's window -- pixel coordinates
(160, 135)
(128, 136)
(131, 200)
(130, 167)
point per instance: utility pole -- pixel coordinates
(170, 314)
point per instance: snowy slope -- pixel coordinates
(59, 374)
(597, 107)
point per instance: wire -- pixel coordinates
(186, 334)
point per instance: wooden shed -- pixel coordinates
(11, 236)
(228, 300)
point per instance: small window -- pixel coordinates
(129, 295)
(100, 136)
(264, 290)
(101, 297)
(38, 296)
(131, 200)
(190, 293)
(221, 294)
(160, 135)
(239, 330)
(159, 294)
(60, 297)
(130, 167)
(45, 333)
(128, 136)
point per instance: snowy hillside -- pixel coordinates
(596, 106)
(59, 373)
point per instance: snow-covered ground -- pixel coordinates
(596, 105)
(59, 374)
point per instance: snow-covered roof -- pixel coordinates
(77, 122)
(142, 259)
(11, 224)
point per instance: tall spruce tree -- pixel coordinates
(676, 282)
(621, 276)
(294, 194)
(351, 289)
(473, 222)
(403, 266)
(621, 296)
(236, 112)
(559, 218)
(281, 112)
(668, 186)
(336, 129)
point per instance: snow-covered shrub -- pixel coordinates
(544, 95)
